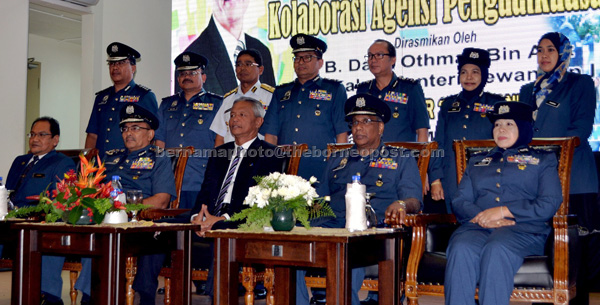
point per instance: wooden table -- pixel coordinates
(337, 250)
(108, 246)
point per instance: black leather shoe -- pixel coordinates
(318, 300)
(369, 301)
(48, 299)
(260, 293)
(85, 299)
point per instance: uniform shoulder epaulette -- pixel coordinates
(408, 80)
(234, 91)
(170, 96)
(496, 95)
(331, 80)
(267, 87)
(284, 85)
(156, 149)
(214, 95)
(103, 90)
(143, 87)
(115, 151)
(365, 83)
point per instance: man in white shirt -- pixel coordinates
(248, 68)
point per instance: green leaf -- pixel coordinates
(75, 214)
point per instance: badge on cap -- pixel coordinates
(474, 55)
(186, 58)
(300, 40)
(360, 102)
(114, 48)
(129, 109)
(503, 109)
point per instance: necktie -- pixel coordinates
(220, 206)
(240, 46)
(24, 174)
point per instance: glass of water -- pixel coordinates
(134, 197)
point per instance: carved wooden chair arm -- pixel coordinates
(154, 214)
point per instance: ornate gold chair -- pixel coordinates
(547, 278)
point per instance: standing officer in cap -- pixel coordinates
(103, 127)
(391, 173)
(248, 68)
(308, 110)
(461, 117)
(185, 121)
(409, 121)
(504, 203)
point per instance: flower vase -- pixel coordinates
(115, 217)
(84, 219)
(283, 219)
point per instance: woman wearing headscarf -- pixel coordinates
(461, 117)
(504, 203)
(564, 105)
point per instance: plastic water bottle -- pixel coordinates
(3, 200)
(117, 193)
(355, 205)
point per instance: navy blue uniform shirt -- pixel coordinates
(104, 120)
(406, 100)
(146, 169)
(187, 123)
(389, 172)
(311, 113)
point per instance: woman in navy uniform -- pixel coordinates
(388, 172)
(564, 105)
(504, 203)
(461, 117)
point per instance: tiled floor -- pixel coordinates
(5, 285)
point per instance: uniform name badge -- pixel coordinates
(129, 98)
(387, 163)
(396, 97)
(143, 163)
(552, 104)
(484, 162)
(203, 106)
(321, 95)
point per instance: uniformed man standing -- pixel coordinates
(309, 109)
(409, 121)
(388, 172)
(248, 68)
(185, 120)
(103, 128)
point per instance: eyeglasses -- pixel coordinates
(188, 73)
(134, 128)
(246, 64)
(305, 58)
(378, 56)
(118, 63)
(363, 122)
(41, 134)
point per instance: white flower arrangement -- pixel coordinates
(279, 191)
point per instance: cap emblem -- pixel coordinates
(504, 109)
(129, 109)
(114, 48)
(360, 102)
(300, 40)
(186, 58)
(474, 55)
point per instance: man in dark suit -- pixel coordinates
(219, 41)
(230, 172)
(33, 173)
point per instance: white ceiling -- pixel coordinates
(54, 24)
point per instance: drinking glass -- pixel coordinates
(134, 197)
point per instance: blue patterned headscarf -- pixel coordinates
(546, 81)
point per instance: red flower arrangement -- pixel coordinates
(77, 194)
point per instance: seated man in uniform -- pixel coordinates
(391, 173)
(141, 168)
(231, 169)
(31, 174)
